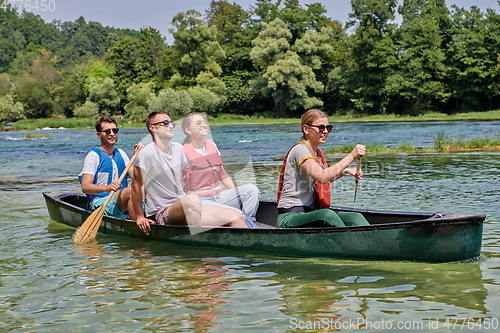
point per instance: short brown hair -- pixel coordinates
(151, 116)
(104, 119)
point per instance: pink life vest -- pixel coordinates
(205, 175)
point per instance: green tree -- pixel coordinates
(151, 61)
(238, 96)
(286, 77)
(418, 82)
(103, 93)
(123, 57)
(6, 84)
(39, 90)
(97, 70)
(298, 18)
(372, 52)
(232, 24)
(471, 56)
(81, 41)
(196, 48)
(11, 42)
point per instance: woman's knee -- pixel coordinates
(330, 217)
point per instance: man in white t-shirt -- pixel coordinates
(158, 170)
(102, 167)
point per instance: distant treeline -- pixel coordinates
(277, 58)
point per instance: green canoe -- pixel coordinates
(431, 237)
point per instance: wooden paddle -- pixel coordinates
(88, 230)
(356, 180)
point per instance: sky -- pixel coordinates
(137, 14)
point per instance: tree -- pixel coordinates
(285, 76)
(11, 42)
(372, 52)
(238, 96)
(298, 19)
(421, 68)
(103, 93)
(196, 48)
(470, 56)
(151, 56)
(232, 24)
(39, 90)
(122, 56)
(6, 84)
(97, 70)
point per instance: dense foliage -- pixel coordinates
(277, 58)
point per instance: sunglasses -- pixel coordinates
(165, 123)
(322, 128)
(108, 131)
(201, 122)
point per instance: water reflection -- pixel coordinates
(207, 287)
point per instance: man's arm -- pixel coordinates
(88, 186)
(137, 184)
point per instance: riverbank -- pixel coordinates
(442, 143)
(228, 119)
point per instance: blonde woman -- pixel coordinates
(206, 174)
(303, 189)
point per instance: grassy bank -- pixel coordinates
(228, 119)
(442, 143)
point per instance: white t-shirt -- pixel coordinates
(162, 175)
(91, 163)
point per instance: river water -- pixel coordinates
(49, 284)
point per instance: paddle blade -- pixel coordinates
(88, 230)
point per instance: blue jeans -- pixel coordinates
(245, 198)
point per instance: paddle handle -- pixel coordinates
(129, 164)
(356, 180)
(358, 168)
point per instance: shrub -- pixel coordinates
(203, 99)
(88, 109)
(175, 103)
(10, 110)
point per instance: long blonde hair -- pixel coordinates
(307, 119)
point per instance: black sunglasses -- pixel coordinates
(165, 123)
(108, 131)
(322, 128)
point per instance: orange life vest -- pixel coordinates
(323, 194)
(205, 175)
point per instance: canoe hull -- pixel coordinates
(431, 238)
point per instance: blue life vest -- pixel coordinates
(106, 166)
